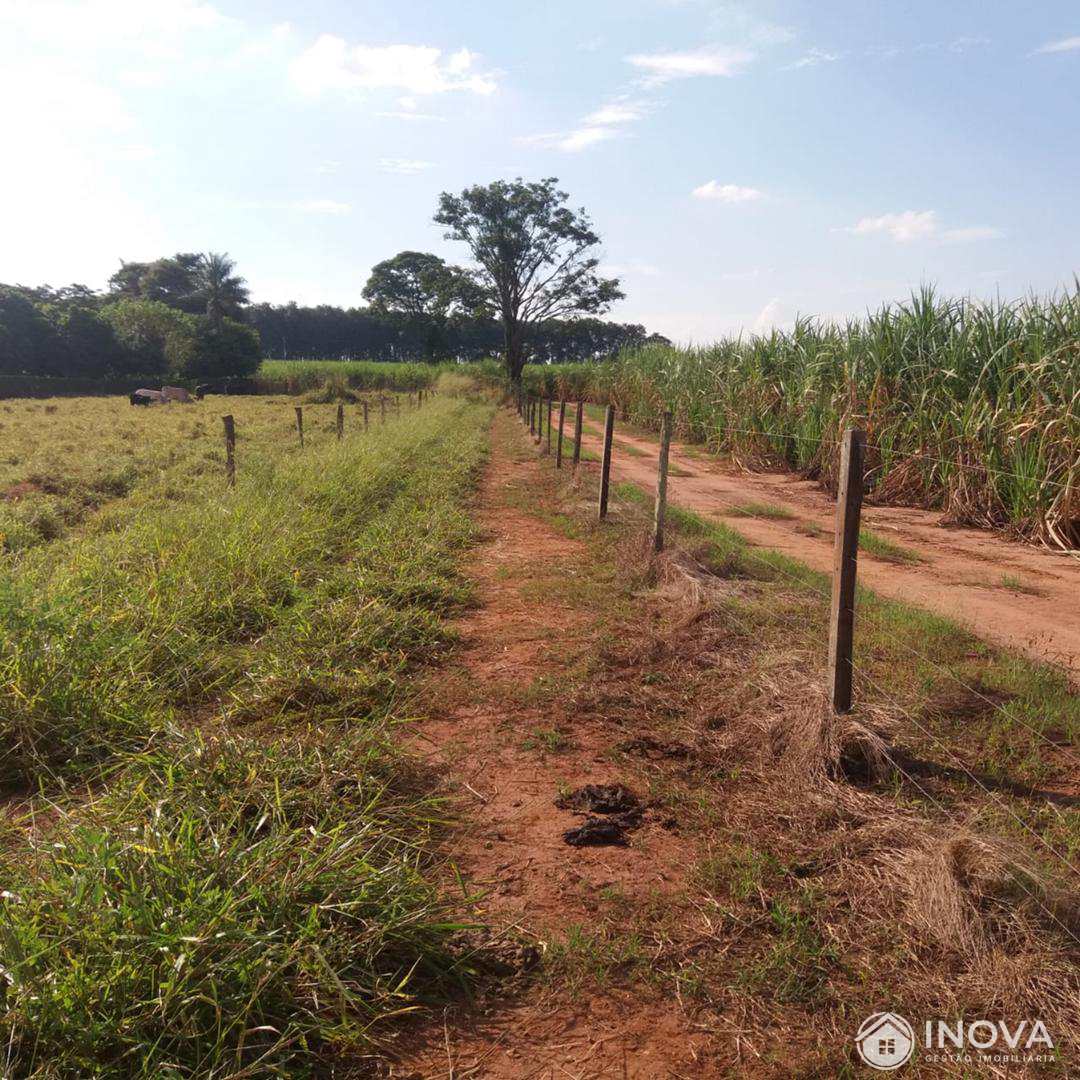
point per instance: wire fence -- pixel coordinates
(811, 582)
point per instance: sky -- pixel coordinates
(743, 163)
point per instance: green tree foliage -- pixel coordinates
(172, 281)
(89, 345)
(172, 318)
(156, 338)
(422, 292)
(28, 341)
(223, 292)
(533, 258)
(197, 284)
(222, 348)
(169, 343)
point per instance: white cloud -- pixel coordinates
(727, 193)
(910, 225)
(666, 66)
(774, 314)
(599, 126)
(331, 64)
(814, 57)
(903, 227)
(404, 166)
(616, 112)
(328, 168)
(1069, 44)
(962, 44)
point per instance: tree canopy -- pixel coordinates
(200, 284)
(533, 254)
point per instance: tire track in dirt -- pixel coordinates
(958, 577)
(504, 686)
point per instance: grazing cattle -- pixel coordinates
(147, 397)
(175, 393)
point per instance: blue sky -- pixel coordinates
(743, 162)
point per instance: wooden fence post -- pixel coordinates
(605, 464)
(577, 432)
(539, 421)
(532, 417)
(845, 555)
(661, 483)
(230, 450)
(549, 425)
(340, 420)
(365, 416)
(300, 424)
(558, 442)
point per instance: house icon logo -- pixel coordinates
(885, 1041)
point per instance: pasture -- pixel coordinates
(98, 461)
(199, 683)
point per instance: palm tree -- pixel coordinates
(224, 291)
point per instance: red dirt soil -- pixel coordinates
(960, 575)
(483, 739)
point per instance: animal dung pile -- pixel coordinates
(622, 812)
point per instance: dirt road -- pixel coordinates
(497, 711)
(1019, 596)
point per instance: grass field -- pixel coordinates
(968, 406)
(66, 460)
(216, 861)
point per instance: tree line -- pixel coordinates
(533, 293)
(176, 318)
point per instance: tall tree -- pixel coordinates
(414, 283)
(423, 290)
(221, 289)
(533, 257)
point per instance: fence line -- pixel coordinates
(846, 544)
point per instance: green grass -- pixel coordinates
(881, 548)
(247, 888)
(1018, 584)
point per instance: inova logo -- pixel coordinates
(885, 1041)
